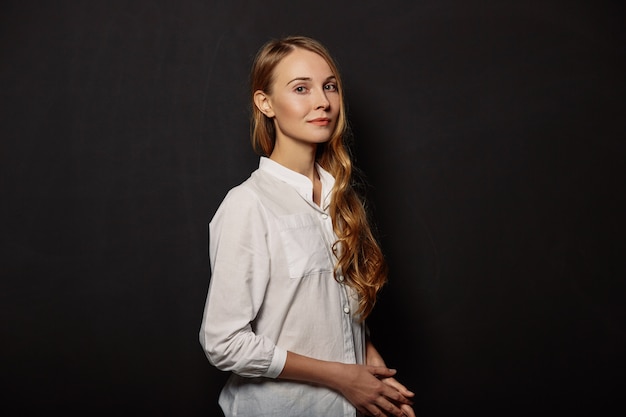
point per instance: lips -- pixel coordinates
(320, 121)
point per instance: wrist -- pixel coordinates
(335, 373)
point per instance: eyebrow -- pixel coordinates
(330, 77)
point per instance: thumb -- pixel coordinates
(383, 371)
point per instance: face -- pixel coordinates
(304, 99)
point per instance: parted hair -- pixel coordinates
(359, 257)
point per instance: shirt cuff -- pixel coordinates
(278, 363)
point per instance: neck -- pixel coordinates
(300, 159)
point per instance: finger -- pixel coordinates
(395, 396)
(396, 399)
(387, 408)
(363, 411)
(373, 411)
(381, 371)
(407, 410)
(392, 382)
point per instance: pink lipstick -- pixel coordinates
(320, 121)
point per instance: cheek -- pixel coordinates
(334, 103)
(291, 108)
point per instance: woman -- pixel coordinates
(295, 268)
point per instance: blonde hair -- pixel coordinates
(360, 258)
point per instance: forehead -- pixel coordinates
(301, 63)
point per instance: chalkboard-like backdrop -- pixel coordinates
(491, 135)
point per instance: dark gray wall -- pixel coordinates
(492, 137)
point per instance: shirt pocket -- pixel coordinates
(306, 250)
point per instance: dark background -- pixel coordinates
(491, 134)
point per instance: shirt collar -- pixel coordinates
(299, 182)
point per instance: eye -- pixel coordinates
(330, 87)
(300, 89)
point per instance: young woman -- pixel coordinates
(295, 267)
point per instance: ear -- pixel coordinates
(262, 102)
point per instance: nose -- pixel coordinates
(322, 101)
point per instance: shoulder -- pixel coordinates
(261, 188)
(242, 201)
(245, 194)
(263, 196)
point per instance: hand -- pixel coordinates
(374, 359)
(373, 391)
(392, 382)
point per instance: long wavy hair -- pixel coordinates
(359, 257)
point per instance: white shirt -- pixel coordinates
(273, 290)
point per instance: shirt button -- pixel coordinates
(324, 216)
(346, 310)
(340, 278)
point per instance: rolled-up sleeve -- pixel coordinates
(240, 271)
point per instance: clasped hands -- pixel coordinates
(374, 391)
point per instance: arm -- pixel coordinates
(240, 261)
(359, 384)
